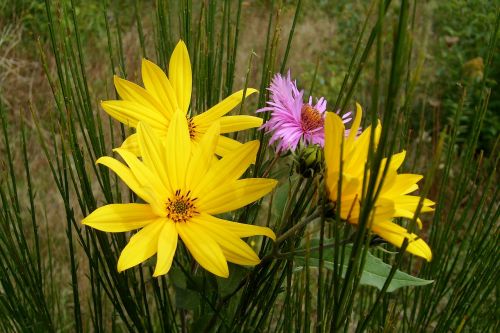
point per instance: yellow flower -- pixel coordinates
(393, 199)
(183, 188)
(162, 97)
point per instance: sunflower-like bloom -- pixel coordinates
(163, 96)
(183, 188)
(393, 199)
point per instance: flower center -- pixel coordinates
(181, 207)
(311, 118)
(192, 128)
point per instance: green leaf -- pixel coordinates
(280, 198)
(229, 285)
(200, 324)
(375, 271)
(186, 299)
(177, 277)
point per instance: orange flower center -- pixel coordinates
(311, 118)
(192, 128)
(181, 207)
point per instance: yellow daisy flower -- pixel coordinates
(163, 96)
(183, 188)
(393, 199)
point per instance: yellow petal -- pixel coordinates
(127, 176)
(167, 244)
(235, 250)
(153, 152)
(332, 180)
(350, 209)
(179, 70)
(158, 85)
(226, 145)
(356, 154)
(203, 156)
(355, 125)
(130, 91)
(130, 113)
(351, 187)
(334, 136)
(235, 195)
(387, 181)
(203, 248)
(223, 107)
(132, 145)
(239, 229)
(382, 210)
(179, 151)
(120, 217)
(147, 178)
(142, 246)
(397, 160)
(227, 169)
(407, 214)
(230, 124)
(405, 183)
(410, 202)
(395, 234)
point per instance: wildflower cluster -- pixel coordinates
(171, 164)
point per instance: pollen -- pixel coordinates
(192, 128)
(181, 207)
(311, 118)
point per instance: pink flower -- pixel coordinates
(292, 120)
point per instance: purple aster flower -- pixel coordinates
(292, 120)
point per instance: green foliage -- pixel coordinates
(374, 272)
(24, 274)
(462, 29)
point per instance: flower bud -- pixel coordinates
(309, 161)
